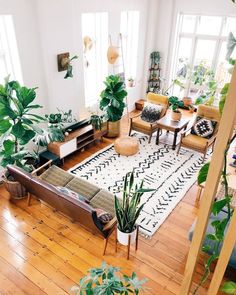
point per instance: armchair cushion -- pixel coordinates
(142, 125)
(105, 200)
(151, 112)
(204, 127)
(194, 141)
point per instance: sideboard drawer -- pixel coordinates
(68, 148)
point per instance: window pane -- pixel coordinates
(188, 24)
(230, 26)
(95, 31)
(222, 76)
(182, 66)
(9, 57)
(129, 28)
(209, 25)
(205, 51)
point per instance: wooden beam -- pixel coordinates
(223, 136)
(225, 254)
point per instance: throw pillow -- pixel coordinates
(103, 216)
(72, 194)
(151, 112)
(203, 127)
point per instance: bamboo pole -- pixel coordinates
(223, 136)
(225, 253)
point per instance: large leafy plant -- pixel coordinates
(106, 280)
(18, 123)
(175, 103)
(129, 209)
(112, 98)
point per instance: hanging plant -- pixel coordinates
(69, 70)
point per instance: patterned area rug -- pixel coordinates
(158, 165)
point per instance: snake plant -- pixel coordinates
(130, 207)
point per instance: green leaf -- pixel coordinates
(25, 95)
(218, 206)
(202, 175)
(28, 135)
(9, 146)
(4, 126)
(18, 130)
(229, 288)
(211, 237)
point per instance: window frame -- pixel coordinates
(195, 37)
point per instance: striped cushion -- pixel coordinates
(105, 201)
(83, 187)
(56, 176)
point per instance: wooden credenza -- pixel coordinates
(76, 140)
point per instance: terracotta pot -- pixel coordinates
(15, 189)
(187, 101)
(176, 116)
(113, 129)
(123, 238)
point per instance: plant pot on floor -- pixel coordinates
(113, 129)
(176, 115)
(16, 190)
(123, 238)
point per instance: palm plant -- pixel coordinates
(129, 209)
(105, 280)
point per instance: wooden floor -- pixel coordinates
(42, 252)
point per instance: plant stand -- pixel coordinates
(129, 244)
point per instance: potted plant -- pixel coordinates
(175, 104)
(108, 280)
(128, 209)
(112, 103)
(130, 82)
(17, 129)
(96, 121)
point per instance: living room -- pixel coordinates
(118, 150)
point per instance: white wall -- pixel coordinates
(29, 45)
(60, 31)
(168, 13)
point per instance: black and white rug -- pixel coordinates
(158, 165)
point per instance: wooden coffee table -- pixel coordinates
(174, 126)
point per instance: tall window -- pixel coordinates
(201, 43)
(129, 29)
(9, 57)
(95, 38)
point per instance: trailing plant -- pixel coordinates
(107, 280)
(18, 123)
(129, 209)
(175, 104)
(112, 98)
(130, 79)
(96, 121)
(69, 71)
(219, 226)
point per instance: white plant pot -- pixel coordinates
(123, 238)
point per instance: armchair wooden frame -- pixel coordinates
(153, 127)
(209, 143)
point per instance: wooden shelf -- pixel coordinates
(76, 140)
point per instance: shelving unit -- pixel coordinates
(154, 81)
(76, 141)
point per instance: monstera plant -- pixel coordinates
(18, 124)
(112, 103)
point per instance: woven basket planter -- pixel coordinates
(113, 129)
(15, 189)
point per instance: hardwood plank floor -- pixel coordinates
(43, 252)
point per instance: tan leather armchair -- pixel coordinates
(137, 124)
(196, 142)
